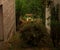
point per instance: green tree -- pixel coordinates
(18, 9)
(30, 6)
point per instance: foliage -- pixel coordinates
(55, 33)
(34, 34)
(55, 25)
(30, 6)
(18, 9)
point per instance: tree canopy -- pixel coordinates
(30, 6)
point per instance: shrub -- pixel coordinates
(55, 32)
(34, 34)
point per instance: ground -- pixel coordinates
(14, 44)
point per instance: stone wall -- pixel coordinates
(1, 23)
(0, 2)
(8, 18)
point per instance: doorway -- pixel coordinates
(1, 23)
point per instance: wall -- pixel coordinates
(8, 18)
(0, 2)
(1, 23)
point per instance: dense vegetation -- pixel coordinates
(30, 7)
(34, 34)
(55, 25)
(37, 8)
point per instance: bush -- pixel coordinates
(55, 33)
(34, 34)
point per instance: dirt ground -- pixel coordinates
(14, 44)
